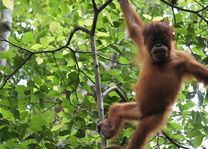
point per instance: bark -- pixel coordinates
(5, 30)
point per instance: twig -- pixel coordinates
(77, 28)
(70, 49)
(20, 66)
(123, 92)
(174, 142)
(78, 69)
(104, 5)
(62, 77)
(116, 89)
(4, 39)
(111, 60)
(50, 107)
(39, 52)
(187, 10)
(206, 7)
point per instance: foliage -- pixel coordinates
(50, 101)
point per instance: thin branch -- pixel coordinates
(81, 52)
(116, 89)
(77, 65)
(70, 49)
(24, 49)
(112, 60)
(123, 92)
(187, 10)
(33, 52)
(174, 16)
(174, 142)
(39, 52)
(50, 107)
(59, 70)
(77, 28)
(104, 5)
(87, 76)
(206, 7)
(50, 51)
(108, 91)
(20, 66)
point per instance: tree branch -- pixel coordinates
(77, 28)
(91, 32)
(94, 5)
(99, 97)
(116, 89)
(24, 49)
(187, 10)
(174, 142)
(9, 76)
(104, 5)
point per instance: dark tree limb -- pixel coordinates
(174, 142)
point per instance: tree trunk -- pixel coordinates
(5, 30)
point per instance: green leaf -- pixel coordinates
(147, 16)
(54, 26)
(7, 114)
(88, 22)
(108, 15)
(157, 18)
(123, 60)
(80, 133)
(36, 122)
(46, 41)
(38, 81)
(8, 3)
(37, 7)
(57, 127)
(192, 134)
(7, 54)
(2, 7)
(181, 30)
(28, 37)
(175, 125)
(50, 146)
(198, 141)
(37, 46)
(114, 72)
(45, 20)
(64, 8)
(21, 90)
(102, 34)
(128, 131)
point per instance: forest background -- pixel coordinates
(64, 62)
